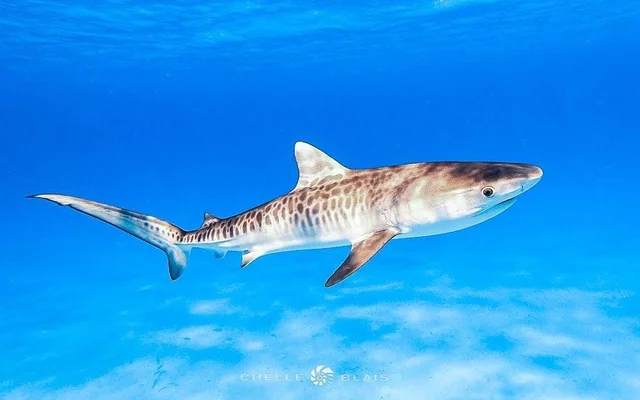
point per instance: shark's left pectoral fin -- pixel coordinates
(361, 252)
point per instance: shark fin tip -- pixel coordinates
(59, 199)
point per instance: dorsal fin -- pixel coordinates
(208, 220)
(314, 165)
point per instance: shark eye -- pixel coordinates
(488, 191)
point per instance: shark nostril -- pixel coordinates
(534, 174)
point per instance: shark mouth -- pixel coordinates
(508, 201)
(498, 207)
(503, 205)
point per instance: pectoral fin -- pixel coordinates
(361, 252)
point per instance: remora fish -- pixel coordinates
(332, 206)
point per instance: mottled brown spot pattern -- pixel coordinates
(308, 215)
(341, 198)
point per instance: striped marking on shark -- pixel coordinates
(332, 205)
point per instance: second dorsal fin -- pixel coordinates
(208, 220)
(314, 165)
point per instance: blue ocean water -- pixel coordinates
(178, 108)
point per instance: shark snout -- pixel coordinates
(534, 174)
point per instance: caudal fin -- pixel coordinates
(157, 232)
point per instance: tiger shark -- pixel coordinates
(332, 206)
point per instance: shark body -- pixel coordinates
(332, 205)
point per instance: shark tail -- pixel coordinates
(154, 231)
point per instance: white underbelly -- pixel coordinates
(285, 237)
(452, 225)
(276, 243)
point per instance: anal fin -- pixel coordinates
(361, 252)
(249, 256)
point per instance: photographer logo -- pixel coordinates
(321, 375)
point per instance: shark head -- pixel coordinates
(453, 196)
(495, 187)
